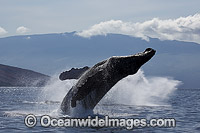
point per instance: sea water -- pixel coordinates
(136, 96)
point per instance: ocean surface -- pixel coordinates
(180, 104)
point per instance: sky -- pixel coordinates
(19, 17)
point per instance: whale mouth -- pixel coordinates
(148, 52)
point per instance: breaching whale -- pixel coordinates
(93, 83)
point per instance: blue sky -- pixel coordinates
(50, 16)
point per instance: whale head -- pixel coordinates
(128, 65)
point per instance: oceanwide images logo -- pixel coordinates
(129, 123)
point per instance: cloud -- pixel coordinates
(183, 29)
(22, 30)
(2, 31)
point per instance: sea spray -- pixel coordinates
(55, 90)
(141, 90)
(133, 90)
(53, 93)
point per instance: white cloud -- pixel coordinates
(183, 28)
(22, 30)
(2, 31)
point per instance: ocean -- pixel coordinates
(163, 100)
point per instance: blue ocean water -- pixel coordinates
(16, 103)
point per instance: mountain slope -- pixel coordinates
(55, 53)
(13, 76)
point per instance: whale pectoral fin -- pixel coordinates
(74, 73)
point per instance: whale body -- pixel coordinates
(96, 81)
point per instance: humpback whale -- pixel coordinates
(93, 83)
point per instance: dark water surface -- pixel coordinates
(16, 103)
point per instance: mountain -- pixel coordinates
(55, 53)
(13, 76)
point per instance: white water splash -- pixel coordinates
(55, 90)
(141, 90)
(135, 89)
